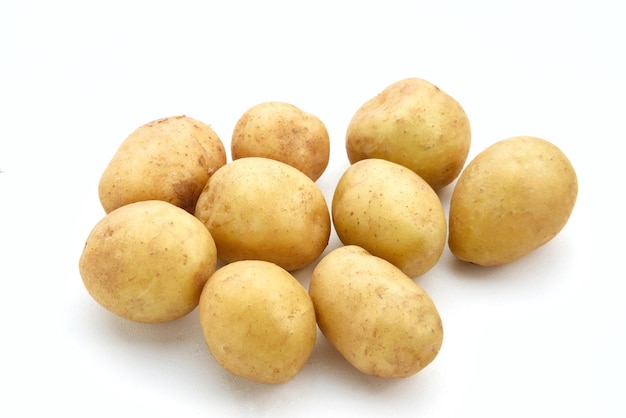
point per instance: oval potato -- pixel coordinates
(416, 124)
(391, 212)
(263, 209)
(379, 319)
(513, 197)
(283, 132)
(168, 159)
(148, 261)
(258, 321)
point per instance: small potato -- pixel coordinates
(261, 209)
(283, 132)
(148, 261)
(169, 159)
(512, 198)
(391, 212)
(378, 318)
(413, 123)
(258, 321)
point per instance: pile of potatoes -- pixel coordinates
(184, 228)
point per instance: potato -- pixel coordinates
(413, 123)
(283, 132)
(263, 209)
(380, 320)
(391, 212)
(169, 159)
(148, 261)
(258, 321)
(512, 198)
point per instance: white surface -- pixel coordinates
(542, 337)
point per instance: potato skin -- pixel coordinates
(379, 319)
(148, 261)
(512, 198)
(391, 212)
(263, 209)
(258, 321)
(283, 132)
(414, 123)
(168, 159)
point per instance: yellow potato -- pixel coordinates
(258, 321)
(413, 123)
(148, 261)
(378, 318)
(263, 209)
(512, 198)
(391, 212)
(283, 132)
(169, 159)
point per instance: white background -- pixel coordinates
(541, 337)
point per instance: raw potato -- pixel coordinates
(283, 132)
(169, 159)
(413, 123)
(379, 319)
(148, 261)
(263, 209)
(258, 321)
(391, 212)
(512, 198)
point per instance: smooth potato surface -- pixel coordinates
(513, 197)
(258, 321)
(263, 209)
(391, 212)
(377, 317)
(148, 261)
(168, 159)
(283, 132)
(416, 124)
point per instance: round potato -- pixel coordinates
(512, 198)
(413, 123)
(148, 261)
(283, 132)
(258, 321)
(379, 319)
(391, 212)
(169, 159)
(262, 209)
